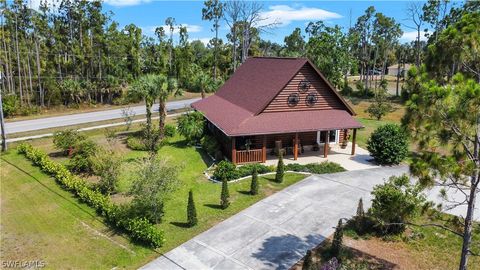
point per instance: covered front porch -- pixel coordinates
(293, 146)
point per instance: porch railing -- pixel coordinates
(249, 156)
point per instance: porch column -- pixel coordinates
(354, 139)
(264, 149)
(295, 147)
(234, 151)
(325, 146)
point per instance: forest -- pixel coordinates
(73, 52)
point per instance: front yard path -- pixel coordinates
(276, 232)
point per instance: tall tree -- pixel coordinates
(295, 44)
(213, 11)
(415, 16)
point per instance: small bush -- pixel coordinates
(10, 105)
(337, 240)
(280, 169)
(191, 210)
(67, 139)
(247, 169)
(136, 143)
(210, 145)
(388, 144)
(394, 203)
(170, 130)
(225, 195)
(225, 170)
(82, 160)
(317, 168)
(191, 126)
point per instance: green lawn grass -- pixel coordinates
(42, 221)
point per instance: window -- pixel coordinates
(293, 99)
(332, 136)
(304, 86)
(311, 99)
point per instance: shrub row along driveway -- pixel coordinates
(277, 231)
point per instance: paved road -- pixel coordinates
(276, 232)
(82, 118)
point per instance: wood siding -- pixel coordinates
(326, 99)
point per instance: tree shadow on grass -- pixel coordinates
(180, 224)
(214, 206)
(244, 192)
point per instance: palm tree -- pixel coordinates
(146, 88)
(166, 87)
(203, 83)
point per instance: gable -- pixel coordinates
(326, 99)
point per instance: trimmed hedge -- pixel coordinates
(317, 168)
(388, 144)
(229, 171)
(139, 229)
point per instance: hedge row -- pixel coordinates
(139, 229)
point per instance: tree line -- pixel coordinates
(71, 52)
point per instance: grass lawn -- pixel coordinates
(41, 221)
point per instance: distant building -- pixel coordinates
(393, 69)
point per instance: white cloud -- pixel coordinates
(412, 35)
(125, 3)
(284, 15)
(191, 28)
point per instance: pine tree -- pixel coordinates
(254, 184)
(308, 263)
(191, 210)
(224, 199)
(360, 218)
(337, 239)
(280, 169)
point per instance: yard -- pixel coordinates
(47, 223)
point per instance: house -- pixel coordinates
(272, 105)
(393, 69)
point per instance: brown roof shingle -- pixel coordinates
(236, 107)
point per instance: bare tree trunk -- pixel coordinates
(39, 72)
(18, 63)
(216, 50)
(475, 180)
(162, 110)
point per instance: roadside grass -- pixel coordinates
(41, 221)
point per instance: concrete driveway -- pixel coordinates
(276, 232)
(82, 118)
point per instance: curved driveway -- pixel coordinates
(82, 118)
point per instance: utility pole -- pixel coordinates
(2, 126)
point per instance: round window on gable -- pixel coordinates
(303, 86)
(293, 99)
(311, 99)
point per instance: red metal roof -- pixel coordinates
(236, 107)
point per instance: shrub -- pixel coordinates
(107, 166)
(254, 184)
(317, 168)
(210, 145)
(388, 144)
(82, 160)
(225, 195)
(337, 239)
(138, 229)
(395, 201)
(136, 143)
(225, 170)
(170, 130)
(308, 263)
(247, 169)
(191, 126)
(191, 210)
(10, 105)
(67, 139)
(280, 169)
(380, 106)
